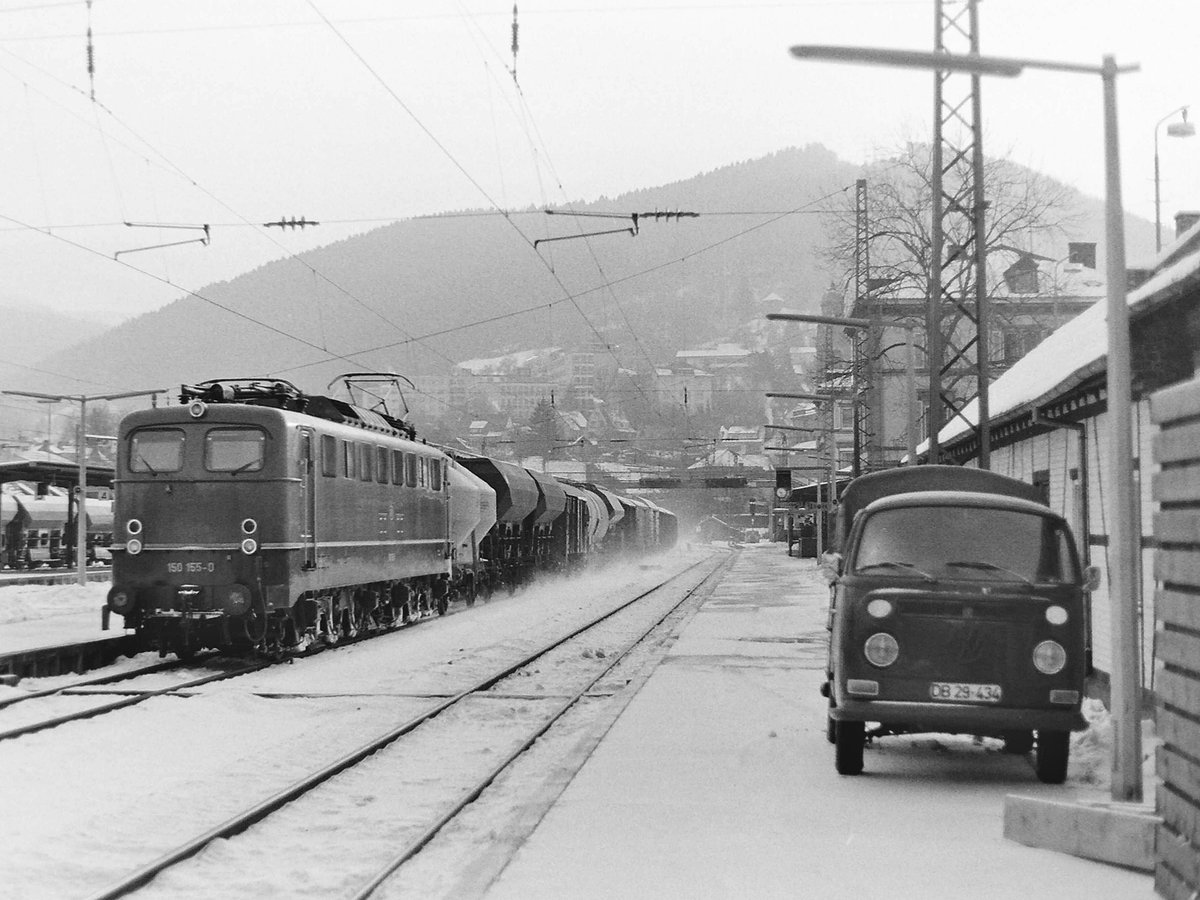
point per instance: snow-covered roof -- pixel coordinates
(517, 360)
(1075, 352)
(731, 351)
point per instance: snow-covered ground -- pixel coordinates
(134, 783)
(714, 781)
(717, 782)
(38, 602)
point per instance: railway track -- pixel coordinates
(133, 696)
(450, 721)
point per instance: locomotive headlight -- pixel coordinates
(1049, 657)
(879, 608)
(249, 526)
(249, 546)
(133, 547)
(1056, 615)
(881, 649)
(239, 600)
(120, 601)
(197, 408)
(134, 526)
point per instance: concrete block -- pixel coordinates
(1121, 834)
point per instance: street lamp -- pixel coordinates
(81, 453)
(1175, 129)
(1124, 543)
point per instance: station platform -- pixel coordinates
(715, 780)
(55, 645)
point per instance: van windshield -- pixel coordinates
(966, 543)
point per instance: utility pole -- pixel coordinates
(80, 492)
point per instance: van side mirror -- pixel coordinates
(830, 566)
(1091, 578)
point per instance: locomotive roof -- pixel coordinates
(279, 394)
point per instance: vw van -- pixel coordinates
(958, 605)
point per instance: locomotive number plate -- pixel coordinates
(190, 568)
(959, 692)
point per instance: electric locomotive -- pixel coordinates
(255, 516)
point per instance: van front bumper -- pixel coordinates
(960, 718)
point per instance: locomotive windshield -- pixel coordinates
(156, 450)
(234, 450)
(967, 543)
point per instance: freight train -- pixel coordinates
(256, 518)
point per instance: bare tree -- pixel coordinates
(1027, 216)
(1027, 211)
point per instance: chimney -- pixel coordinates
(1184, 220)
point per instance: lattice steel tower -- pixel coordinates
(956, 326)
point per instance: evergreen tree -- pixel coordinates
(543, 427)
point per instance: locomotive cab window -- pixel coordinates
(435, 474)
(349, 455)
(410, 470)
(397, 467)
(381, 464)
(367, 453)
(234, 450)
(156, 450)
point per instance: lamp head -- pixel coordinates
(1181, 129)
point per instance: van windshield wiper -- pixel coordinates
(891, 564)
(149, 468)
(989, 567)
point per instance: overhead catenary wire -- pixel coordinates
(488, 320)
(175, 169)
(568, 297)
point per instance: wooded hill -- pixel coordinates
(431, 292)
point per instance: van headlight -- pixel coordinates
(249, 546)
(881, 649)
(1049, 657)
(133, 546)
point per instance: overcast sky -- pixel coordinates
(360, 112)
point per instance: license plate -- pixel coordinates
(959, 692)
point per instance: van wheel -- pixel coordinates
(830, 726)
(849, 738)
(1018, 743)
(1053, 750)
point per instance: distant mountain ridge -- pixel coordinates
(470, 284)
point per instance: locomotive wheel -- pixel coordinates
(351, 621)
(254, 623)
(849, 738)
